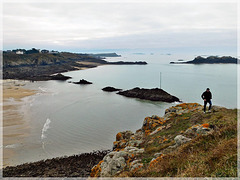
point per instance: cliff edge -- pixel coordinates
(183, 143)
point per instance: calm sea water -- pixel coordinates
(68, 119)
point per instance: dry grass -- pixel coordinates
(214, 155)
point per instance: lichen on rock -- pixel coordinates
(157, 137)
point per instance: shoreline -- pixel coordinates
(74, 166)
(15, 127)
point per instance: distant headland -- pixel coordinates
(39, 65)
(210, 60)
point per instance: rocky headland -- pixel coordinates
(210, 60)
(155, 94)
(185, 142)
(41, 66)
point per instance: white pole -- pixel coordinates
(160, 80)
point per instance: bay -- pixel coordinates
(69, 119)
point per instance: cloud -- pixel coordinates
(119, 25)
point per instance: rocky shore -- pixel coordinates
(72, 166)
(155, 94)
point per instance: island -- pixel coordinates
(210, 60)
(155, 94)
(110, 89)
(82, 81)
(40, 65)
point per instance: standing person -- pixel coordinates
(207, 96)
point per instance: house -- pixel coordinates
(19, 52)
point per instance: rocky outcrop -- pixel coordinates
(82, 81)
(157, 137)
(149, 94)
(110, 89)
(210, 60)
(60, 77)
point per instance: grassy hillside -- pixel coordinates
(13, 60)
(184, 143)
(41, 66)
(214, 155)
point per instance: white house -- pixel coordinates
(19, 52)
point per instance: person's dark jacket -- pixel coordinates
(207, 95)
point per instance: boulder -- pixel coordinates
(200, 129)
(123, 139)
(136, 167)
(114, 162)
(182, 108)
(180, 139)
(151, 123)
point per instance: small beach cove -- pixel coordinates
(15, 124)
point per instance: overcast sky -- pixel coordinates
(96, 26)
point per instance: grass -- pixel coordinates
(214, 155)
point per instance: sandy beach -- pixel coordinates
(15, 126)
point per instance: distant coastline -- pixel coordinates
(36, 65)
(209, 60)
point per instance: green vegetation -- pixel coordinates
(212, 155)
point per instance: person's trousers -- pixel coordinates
(205, 104)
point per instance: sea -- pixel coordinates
(68, 119)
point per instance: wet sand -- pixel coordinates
(15, 126)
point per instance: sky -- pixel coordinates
(78, 26)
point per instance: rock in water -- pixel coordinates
(110, 89)
(60, 77)
(149, 94)
(82, 81)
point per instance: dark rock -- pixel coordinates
(72, 166)
(149, 94)
(60, 77)
(82, 81)
(110, 89)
